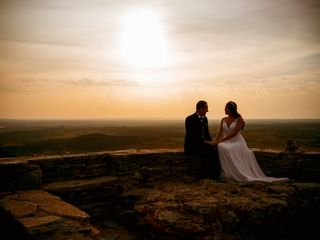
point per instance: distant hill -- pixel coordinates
(23, 138)
(84, 143)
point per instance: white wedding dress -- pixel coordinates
(238, 163)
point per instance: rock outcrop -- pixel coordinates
(41, 215)
(215, 210)
(157, 194)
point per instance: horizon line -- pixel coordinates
(136, 119)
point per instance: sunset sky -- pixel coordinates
(156, 59)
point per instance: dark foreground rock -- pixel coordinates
(155, 194)
(215, 210)
(36, 214)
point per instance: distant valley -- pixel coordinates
(42, 137)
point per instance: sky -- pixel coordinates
(95, 59)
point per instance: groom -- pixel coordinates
(197, 131)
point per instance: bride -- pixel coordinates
(238, 163)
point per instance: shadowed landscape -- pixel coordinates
(87, 150)
(151, 194)
(42, 137)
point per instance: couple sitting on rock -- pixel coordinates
(227, 157)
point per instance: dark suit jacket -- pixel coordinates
(197, 131)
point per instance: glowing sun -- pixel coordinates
(143, 42)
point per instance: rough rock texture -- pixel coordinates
(213, 210)
(139, 167)
(40, 215)
(158, 193)
(299, 167)
(17, 174)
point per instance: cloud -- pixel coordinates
(104, 82)
(309, 62)
(69, 49)
(246, 22)
(78, 82)
(61, 23)
(31, 84)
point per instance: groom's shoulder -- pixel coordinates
(193, 115)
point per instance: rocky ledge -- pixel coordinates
(155, 195)
(216, 210)
(36, 214)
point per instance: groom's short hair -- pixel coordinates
(201, 104)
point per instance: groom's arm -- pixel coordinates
(207, 135)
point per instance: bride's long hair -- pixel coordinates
(232, 107)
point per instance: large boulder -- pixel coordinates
(215, 210)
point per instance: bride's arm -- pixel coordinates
(219, 135)
(239, 125)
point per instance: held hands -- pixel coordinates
(211, 142)
(215, 142)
